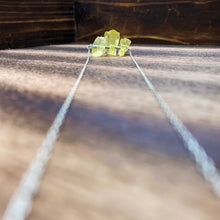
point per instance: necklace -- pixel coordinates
(20, 204)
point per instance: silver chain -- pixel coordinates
(203, 161)
(20, 204)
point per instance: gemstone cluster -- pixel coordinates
(109, 44)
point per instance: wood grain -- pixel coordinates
(171, 22)
(32, 23)
(117, 157)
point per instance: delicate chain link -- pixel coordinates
(205, 163)
(20, 204)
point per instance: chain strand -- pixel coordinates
(203, 161)
(20, 204)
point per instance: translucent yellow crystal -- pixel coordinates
(112, 39)
(100, 42)
(109, 44)
(124, 46)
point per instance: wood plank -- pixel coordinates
(175, 22)
(117, 157)
(33, 14)
(20, 40)
(29, 23)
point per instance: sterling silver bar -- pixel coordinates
(90, 46)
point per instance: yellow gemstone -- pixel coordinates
(112, 39)
(124, 46)
(100, 42)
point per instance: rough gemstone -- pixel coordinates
(100, 42)
(112, 39)
(109, 44)
(124, 46)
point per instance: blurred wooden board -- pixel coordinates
(31, 23)
(160, 21)
(117, 156)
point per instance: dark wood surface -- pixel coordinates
(117, 157)
(160, 21)
(32, 22)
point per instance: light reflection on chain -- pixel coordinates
(20, 204)
(205, 163)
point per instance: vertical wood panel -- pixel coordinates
(37, 22)
(151, 21)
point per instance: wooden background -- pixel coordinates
(35, 22)
(157, 21)
(30, 23)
